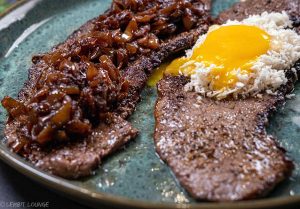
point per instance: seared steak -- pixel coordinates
(243, 9)
(219, 150)
(138, 72)
(79, 157)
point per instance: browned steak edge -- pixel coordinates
(240, 11)
(171, 90)
(64, 160)
(246, 8)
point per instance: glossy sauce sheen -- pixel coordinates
(81, 82)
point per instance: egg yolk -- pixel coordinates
(229, 49)
(157, 74)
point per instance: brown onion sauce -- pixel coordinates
(81, 83)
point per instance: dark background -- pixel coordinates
(15, 187)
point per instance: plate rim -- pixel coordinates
(78, 194)
(12, 7)
(90, 198)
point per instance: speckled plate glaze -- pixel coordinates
(134, 177)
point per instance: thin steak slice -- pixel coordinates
(78, 158)
(138, 72)
(219, 150)
(254, 7)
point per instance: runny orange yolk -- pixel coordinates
(228, 48)
(157, 74)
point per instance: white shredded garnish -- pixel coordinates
(268, 72)
(290, 96)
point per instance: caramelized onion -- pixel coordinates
(62, 116)
(80, 82)
(14, 107)
(130, 29)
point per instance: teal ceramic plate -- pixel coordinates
(134, 177)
